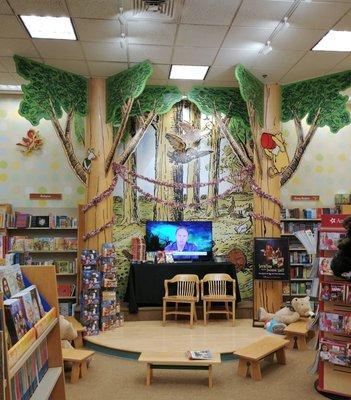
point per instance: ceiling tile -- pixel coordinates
(95, 30)
(211, 12)
(261, 14)
(344, 23)
(297, 39)
(104, 9)
(158, 82)
(53, 8)
(194, 55)
(59, 49)
(295, 76)
(10, 27)
(194, 35)
(161, 71)
(5, 8)
(343, 65)
(7, 79)
(278, 58)
(156, 54)
(9, 63)
(220, 74)
(317, 15)
(18, 79)
(321, 60)
(246, 38)
(230, 57)
(212, 83)
(104, 51)
(3, 67)
(269, 74)
(22, 47)
(104, 69)
(158, 33)
(75, 66)
(185, 85)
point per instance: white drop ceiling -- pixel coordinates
(219, 33)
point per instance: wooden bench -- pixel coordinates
(78, 341)
(176, 360)
(78, 358)
(297, 333)
(251, 355)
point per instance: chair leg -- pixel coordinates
(233, 311)
(195, 313)
(226, 309)
(176, 309)
(164, 310)
(204, 310)
(192, 315)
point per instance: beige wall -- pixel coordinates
(45, 171)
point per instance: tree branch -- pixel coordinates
(126, 109)
(133, 143)
(255, 130)
(299, 130)
(243, 159)
(70, 116)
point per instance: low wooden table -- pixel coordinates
(176, 360)
(298, 334)
(78, 341)
(79, 359)
(251, 355)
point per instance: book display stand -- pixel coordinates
(42, 342)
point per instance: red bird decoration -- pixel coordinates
(31, 142)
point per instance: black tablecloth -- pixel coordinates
(145, 282)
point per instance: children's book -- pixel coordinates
(108, 250)
(333, 323)
(11, 280)
(337, 292)
(15, 317)
(43, 244)
(325, 292)
(30, 303)
(199, 354)
(324, 266)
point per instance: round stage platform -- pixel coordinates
(136, 337)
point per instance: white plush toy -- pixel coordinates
(67, 333)
(300, 307)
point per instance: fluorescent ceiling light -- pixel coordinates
(267, 48)
(335, 41)
(49, 27)
(10, 88)
(195, 72)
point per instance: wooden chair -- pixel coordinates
(217, 292)
(187, 293)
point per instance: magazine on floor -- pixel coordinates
(199, 355)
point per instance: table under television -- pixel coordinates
(146, 280)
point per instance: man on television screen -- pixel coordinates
(181, 243)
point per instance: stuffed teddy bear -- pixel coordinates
(341, 263)
(67, 333)
(300, 307)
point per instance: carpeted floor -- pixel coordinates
(118, 379)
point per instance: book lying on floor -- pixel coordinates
(199, 355)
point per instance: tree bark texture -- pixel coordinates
(213, 169)
(178, 169)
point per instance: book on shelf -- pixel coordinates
(336, 352)
(324, 266)
(44, 244)
(11, 280)
(67, 308)
(330, 240)
(65, 267)
(199, 354)
(308, 213)
(66, 289)
(39, 221)
(336, 323)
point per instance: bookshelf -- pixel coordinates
(52, 384)
(59, 229)
(300, 282)
(333, 377)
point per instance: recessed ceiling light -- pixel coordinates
(10, 88)
(49, 27)
(335, 41)
(195, 72)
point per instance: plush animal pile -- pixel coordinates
(341, 263)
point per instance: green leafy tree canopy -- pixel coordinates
(251, 89)
(50, 90)
(227, 101)
(319, 95)
(127, 85)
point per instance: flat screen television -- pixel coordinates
(184, 240)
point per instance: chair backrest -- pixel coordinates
(217, 284)
(187, 285)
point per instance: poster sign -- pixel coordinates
(271, 259)
(45, 196)
(305, 197)
(333, 221)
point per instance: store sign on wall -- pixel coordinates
(304, 197)
(45, 196)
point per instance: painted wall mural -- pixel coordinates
(162, 155)
(21, 175)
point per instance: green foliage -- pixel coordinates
(128, 84)
(305, 98)
(251, 89)
(49, 86)
(156, 98)
(227, 101)
(79, 128)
